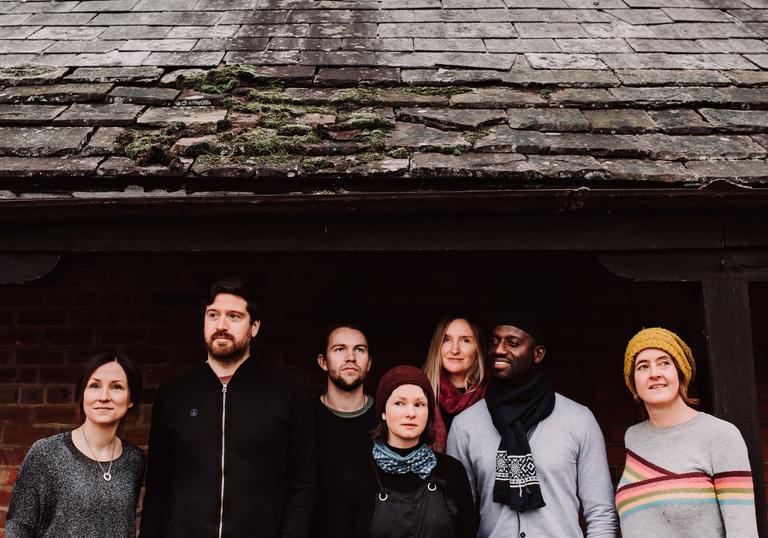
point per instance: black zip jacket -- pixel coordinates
(253, 477)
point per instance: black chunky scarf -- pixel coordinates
(515, 410)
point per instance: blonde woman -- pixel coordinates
(687, 473)
(455, 367)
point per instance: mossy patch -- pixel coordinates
(356, 96)
(295, 129)
(260, 142)
(399, 153)
(363, 120)
(471, 136)
(151, 147)
(222, 79)
(270, 102)
(215, 160)
(201, 148)
(311, 164)
(446, 91)
(370, 156)
(375, 138)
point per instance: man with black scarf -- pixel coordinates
(533, 456)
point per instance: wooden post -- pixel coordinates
(728, 333)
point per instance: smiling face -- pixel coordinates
(228, 328)
(346, 358)
(458, 351)
(657, 381)
(406, 414)
(106, 398)
(513, 353)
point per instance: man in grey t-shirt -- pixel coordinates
(533, 456)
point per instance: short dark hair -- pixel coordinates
(239, 287)
(132, 373)
(330, 327)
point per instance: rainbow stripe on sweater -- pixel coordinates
(645, 485)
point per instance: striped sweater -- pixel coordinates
(698, 484)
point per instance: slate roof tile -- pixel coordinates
(306, 94)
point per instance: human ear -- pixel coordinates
(322, 362)
(255, 328)
(538, 354)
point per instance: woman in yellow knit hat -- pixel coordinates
(687, 473)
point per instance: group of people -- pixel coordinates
(475, 443)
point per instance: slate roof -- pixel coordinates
(127, 97)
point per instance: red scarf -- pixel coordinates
(452, 401)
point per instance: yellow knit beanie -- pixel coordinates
(667, 341)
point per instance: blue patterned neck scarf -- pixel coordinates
(420, 462)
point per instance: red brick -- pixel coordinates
(14, 414)
(39, 317)
(176, 335)
(6, 319)
(68, 374)
(69, 337)
(94, 317)
(125, 298)
(39, 356)
(5, 496)
(15, 435)
(123, 337)
(21, 297)
(6, 356)
(55, 415)
(12, 456)
(60, 395)
(28, 375)
(18, 375)
(9, 395)
(31, 395)
(18, 337)
(8, 475)
(150, 355)
(136, 437)
(76, 297)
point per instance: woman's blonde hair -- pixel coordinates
(433, 365)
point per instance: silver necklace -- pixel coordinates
(106, 475)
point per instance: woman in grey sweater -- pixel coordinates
(687, 473)
(84, 483)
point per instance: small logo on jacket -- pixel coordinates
(193, 412)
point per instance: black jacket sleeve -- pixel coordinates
(461, 493)
(301, 469)
(159, 468)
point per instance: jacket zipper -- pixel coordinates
(223, 422)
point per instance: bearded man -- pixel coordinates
(535, 458)
(344, 414)
(231, 446)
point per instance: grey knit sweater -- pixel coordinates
(569, 453)
(690, 480)
(60, 493)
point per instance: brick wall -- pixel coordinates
(146, 306)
